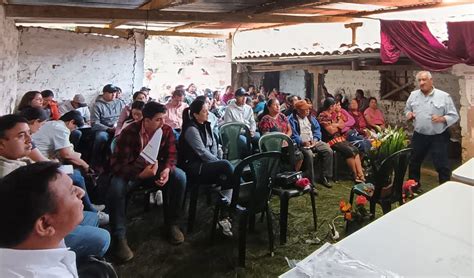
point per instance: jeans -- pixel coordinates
(218, 172)
(120, 187)
(78, 180)
(99, 148)
(75, 138)
(438, 145)
(87, 238)
(253, 144)
(325, 157)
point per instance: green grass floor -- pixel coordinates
(155, 257)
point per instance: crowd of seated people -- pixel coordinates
(116, 135)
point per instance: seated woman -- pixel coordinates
(30, 99)
(197, 154)
(273, 120)
(348, 131)
(360, 124)
(135, 116)
(373, 115)
(127, 110)
(337, 141)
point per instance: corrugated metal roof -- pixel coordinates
(315, 50)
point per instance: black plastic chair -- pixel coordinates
(388, 181)
(194, 188)
(273, 142)
(250, 197)
(233, 149)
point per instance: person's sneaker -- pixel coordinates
(121, 251)
(324, 181)
(226, 227)
(103, 218)
(176, 236)
(98, 207)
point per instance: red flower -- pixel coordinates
(409, 184)
(361, 200)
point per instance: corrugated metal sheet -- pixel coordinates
(315, 50)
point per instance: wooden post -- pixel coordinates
(353, 27)
(317, 97)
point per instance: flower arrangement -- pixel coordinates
(358, 213)
(386, 142)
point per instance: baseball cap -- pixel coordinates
(145, 89)
(80, 100)
(240, 92)
(302, 105)
(109, 88)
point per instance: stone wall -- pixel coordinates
(293, 82)
(8, 63)
(69, 63)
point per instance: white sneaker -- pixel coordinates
(98, 207)
(226, 227)
(159, 198)
(103, 218)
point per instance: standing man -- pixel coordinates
(129, 170)
(432, 112)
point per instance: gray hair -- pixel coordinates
(423, 72)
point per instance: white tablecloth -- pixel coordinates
(431, 236)
(465, 172)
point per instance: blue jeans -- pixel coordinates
(99, 148)
(120, 187)
(87, 238)
(75, 138)
(253, 143)
(78, 180)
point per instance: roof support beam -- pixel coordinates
(65, 12)
(123, 33)
(153, 5)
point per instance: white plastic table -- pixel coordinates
(431, 236)
(465, 172)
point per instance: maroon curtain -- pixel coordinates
(461, 40)
(415, 40)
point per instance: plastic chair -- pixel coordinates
(233, 148)
(249, 198)
(273, 142)
(388, 181)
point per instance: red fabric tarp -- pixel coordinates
(415, 40)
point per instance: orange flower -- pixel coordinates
(361, 200)
(348, 216)
(341, 204)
